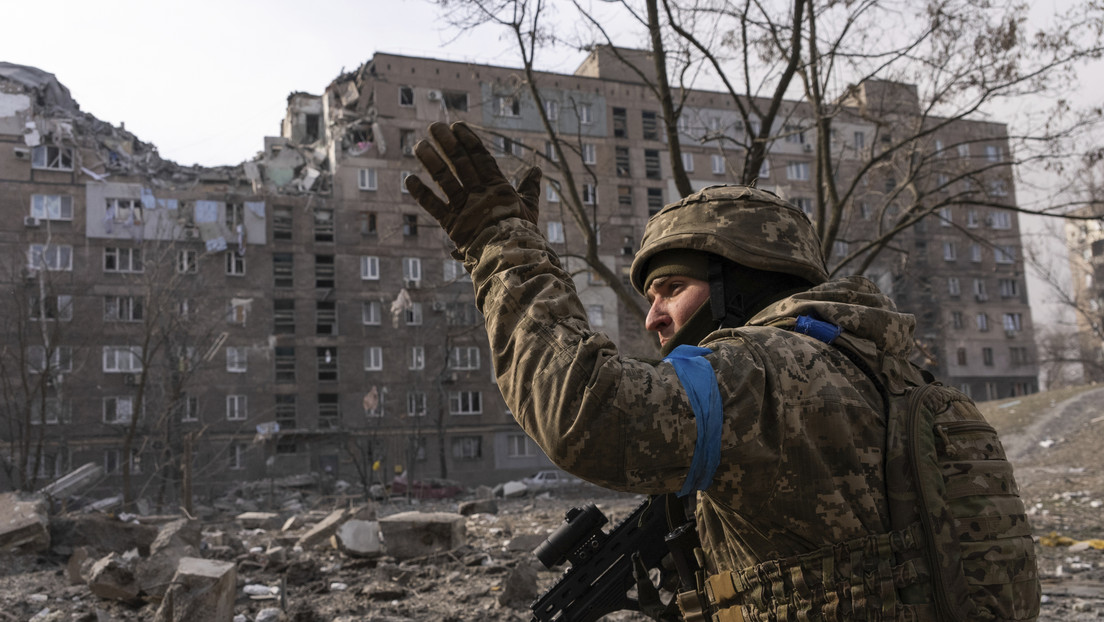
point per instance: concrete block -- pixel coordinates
(525, 543)
(73, 482)
(24, 526)
(175, 541)
(113, 577)
(101, 534)
(179, 533)
(479, 506)
(202, 589)
(514, 489)
(76, 569)
(414, 534)
(359, 538)
(258, 520)
(323, 530)
(520, 587)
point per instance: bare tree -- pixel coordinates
(35, 361)
(801, 71)
(170, 344)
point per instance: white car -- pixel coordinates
(550, 479)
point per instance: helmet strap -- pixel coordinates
(737, 293)
(727, 307)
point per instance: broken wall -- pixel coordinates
(127, 211)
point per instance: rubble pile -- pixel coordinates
(52, 116)
(328, 558)
(283, 551)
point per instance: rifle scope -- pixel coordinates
(580, 534)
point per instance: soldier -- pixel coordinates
(771, 404)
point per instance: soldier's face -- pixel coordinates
(674, 300)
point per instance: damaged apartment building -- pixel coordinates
(299, 313)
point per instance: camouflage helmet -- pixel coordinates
(749, 226)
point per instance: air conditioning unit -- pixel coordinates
(411, 284)
(438, 306)
(130, 380)
(1011, 334)
(434, 95)
(191, 233)
(21, 153)
(30, 274)
(808, 147)
(31, 222)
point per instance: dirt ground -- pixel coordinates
(1054, 440)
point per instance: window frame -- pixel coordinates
(237, 407)
(237, 359)
(43, 208)
(61, 160)
(465, 403)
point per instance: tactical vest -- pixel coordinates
(960, 547)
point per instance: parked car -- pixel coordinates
(543, 480)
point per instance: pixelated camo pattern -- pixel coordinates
(752, 227)
(803, 448)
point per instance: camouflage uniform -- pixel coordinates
(801, 478)
(799, 416)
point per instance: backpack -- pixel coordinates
(947, 470)
(947, 473)
(960, 547)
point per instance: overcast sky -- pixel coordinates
(205, 81)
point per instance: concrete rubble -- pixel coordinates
(23, 523)
(281, 552)
(294, 167)
(395, 559)
(202, 589)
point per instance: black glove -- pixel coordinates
(478, 194)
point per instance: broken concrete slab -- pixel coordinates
(76, 569)
(359, 538)
(525, 542)
(175, 541)
(520, 587)
(202, 589)
(74, 482)
(258, 520)
(414, 534)
(24, 525)
(323, 530)
(179, 533)
(112, 577)
(513, 489)
(100, 533)
(104, 505)
(479, 506)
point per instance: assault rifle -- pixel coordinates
(601, 573)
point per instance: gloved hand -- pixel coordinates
(478, 194)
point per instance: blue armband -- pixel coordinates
(700, 383)
(818, 329)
